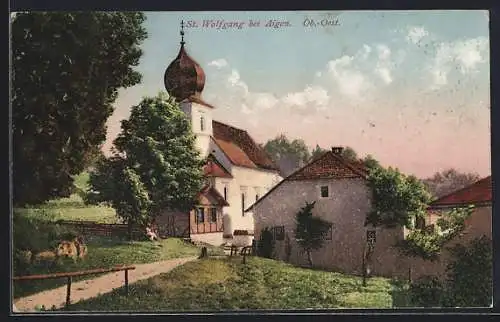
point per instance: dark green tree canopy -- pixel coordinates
(156, 164)
(288, 154)
(67, 69)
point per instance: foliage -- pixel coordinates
(317, 152)
(428, 244)
(470, 274)
(218, 285)
(448, 181)
(156, 165)
(310, 231)
(67, 68)
(428, 291)
(349, 154)
(288, 154)
(370, 162)
(265, 246)
(396, 198)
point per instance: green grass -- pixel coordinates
(108, 252)
(227, 284)
(72, 208)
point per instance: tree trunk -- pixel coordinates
(309, 258)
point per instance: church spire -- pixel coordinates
(182, 33)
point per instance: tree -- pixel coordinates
(397, 199)
(448, 181)
(370, 162)
(349, 154)
(67, 69)
(288, 155)
(317, 152)
(310, 231)
(155, 155)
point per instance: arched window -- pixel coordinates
(202, 123)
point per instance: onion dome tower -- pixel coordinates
(184, 78)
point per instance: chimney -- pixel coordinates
(337, 149)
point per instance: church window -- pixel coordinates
(243, 203)
(225, 193)
(202, 123)
(256, 197)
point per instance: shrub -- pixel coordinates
(469, 275)
(427, 291)
(265, 246)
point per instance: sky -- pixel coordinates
(409, 88)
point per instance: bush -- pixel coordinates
(265, 246)
(427, 291)
(469, 275)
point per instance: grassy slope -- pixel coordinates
(104, 253)
(216, 284)
(71, 208)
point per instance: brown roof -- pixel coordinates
(327, 166)
(213, 168)
(476, 193)
(210, 191)
(240, 148)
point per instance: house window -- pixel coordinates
(329, 233)
(200, 215)
(324, 191)
(243, 204)
(225, 193)
(213, 215)
(279, 232)
(202, 123)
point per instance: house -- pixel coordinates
(479, 195)
(237, 169)
(342, 198)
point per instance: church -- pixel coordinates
(237, 170)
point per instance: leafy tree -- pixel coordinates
(155, 157)
(288, 155)
(448, 181)
(310, 231)
(397, 199)
(317, 152)
(370, 162)
(67, 69)
(349, 154)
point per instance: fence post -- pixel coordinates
(126, 282)
(68, 292)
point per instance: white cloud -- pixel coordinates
(384, 64)
(218, 63)
(416, 34)
(311, 95)
(350, 81)
(463, 55)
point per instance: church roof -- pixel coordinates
(213, 168)
(330, 165)
(240, 148)
(477, 193)
(184, 78)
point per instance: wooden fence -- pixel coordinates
(69, 275)
(91, 229)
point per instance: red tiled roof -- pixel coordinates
(240, 148)
(210, 191)
(476, 193)
(213, 168)
(329, 166)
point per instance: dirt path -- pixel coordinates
(83, 290)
